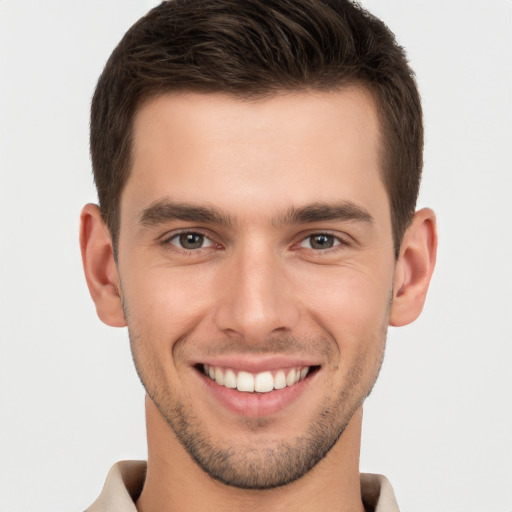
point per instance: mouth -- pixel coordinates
(257, 390)
(261, 382)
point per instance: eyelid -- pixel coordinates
(167, 238)
(304, 241)
(343, 240)
(206, 241)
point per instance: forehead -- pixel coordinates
(282, 151)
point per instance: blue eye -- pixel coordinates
(191, 241)
(320, 241)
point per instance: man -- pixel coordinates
(257, 166)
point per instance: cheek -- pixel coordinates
(162, 307)
(353, 310)
(165, 303)
(351, 305)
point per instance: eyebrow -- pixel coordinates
(320, 212)
(164, 210)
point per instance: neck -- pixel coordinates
(174, 482)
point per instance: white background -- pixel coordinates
(439, 423)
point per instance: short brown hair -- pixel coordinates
(252, 49)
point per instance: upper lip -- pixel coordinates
(255, 364)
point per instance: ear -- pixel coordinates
(100, 267)
(414, 268)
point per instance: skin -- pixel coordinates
(258, 285)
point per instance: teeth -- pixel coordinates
(219, 376)
(230, 379)
(245, 382)
(262, 382)
(290, 378)
(280, 380)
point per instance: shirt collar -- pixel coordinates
(125, 480)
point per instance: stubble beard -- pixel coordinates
(261, 467)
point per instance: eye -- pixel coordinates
(320, 241)
(191, 241)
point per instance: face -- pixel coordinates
(256, 271)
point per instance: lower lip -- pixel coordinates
(256, 405)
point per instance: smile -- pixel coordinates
(255, 387)
(262, 382)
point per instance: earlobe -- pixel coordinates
(414, 268)
(100, 267)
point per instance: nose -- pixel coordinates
(255, 298)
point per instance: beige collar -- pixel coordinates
(125, 480)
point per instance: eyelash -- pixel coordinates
(168, 241)
(336, 240)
